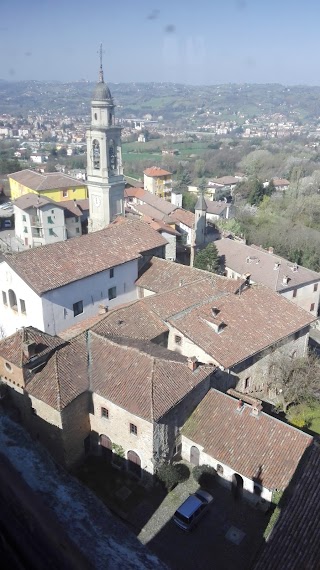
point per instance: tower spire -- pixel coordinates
(101, 70)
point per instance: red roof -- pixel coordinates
(156, 171)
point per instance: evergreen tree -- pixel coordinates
(208, 258)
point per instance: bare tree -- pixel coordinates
(296, 380)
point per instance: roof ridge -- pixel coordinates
(56, 368)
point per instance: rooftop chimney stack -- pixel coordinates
(103, 309)
(270, 250)
(285, 280)
(214, 311)
(256, 408)
(29, 348)
(192, 363)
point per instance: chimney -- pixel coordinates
(180, 282)
(285, 280)
(276, 265)
(192, 363)
(240, 406)
(103, 309)
(294, 267)
(29, 348)
(215, 311)
(247, 277)
(256, 408)
(270, 249)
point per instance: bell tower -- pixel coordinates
(105, 178)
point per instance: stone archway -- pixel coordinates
(194, 455)
(134, 463)
(237, 485)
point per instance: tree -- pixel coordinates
(257, 192)
(296, 380)
(189, 200)
(208, 258)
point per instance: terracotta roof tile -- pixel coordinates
(64, 262)
(183, 216)
(41, 182)
(256, 309)
(11, 347)
(156, 171)
(263, 266)
(294, 543)
(247, 443)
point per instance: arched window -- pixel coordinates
(134, 463)
(96, 154)
(13, 300)
(110, 118)
(106, 447)
(112, 156)
(95, 116)
(194, 455)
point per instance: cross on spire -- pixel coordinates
(100, 52)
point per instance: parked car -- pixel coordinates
(193, 508)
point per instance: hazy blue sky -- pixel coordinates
(204, 41)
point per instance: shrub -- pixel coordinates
(204, 475)
(170, 475)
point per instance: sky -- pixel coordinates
(199, 42)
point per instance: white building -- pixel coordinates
(38, 220)
(59, 285)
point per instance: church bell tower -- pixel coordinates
(105, 178)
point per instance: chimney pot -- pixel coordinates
(270, 249)
(29, 348)
(240, 405)
(103, 309)
(214, 311)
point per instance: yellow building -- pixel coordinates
(158, 181)
(57, 186)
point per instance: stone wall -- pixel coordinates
(76, 428)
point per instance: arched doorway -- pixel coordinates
(237, 485)
(13, 300)
(106, 447)
(134, 463)
(194, 455)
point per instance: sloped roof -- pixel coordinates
(294, 543)
(41, 182)
(160, 275)
(139, 381)
(201, 203)
(61, 263)
(264, 267)
(155, 171)
(257, 308)
(64, 377)
(252, 446)
(32, 200)
(183, 216)
(11, 347)
(216, 207)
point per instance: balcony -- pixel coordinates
(35, 222)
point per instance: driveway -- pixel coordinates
(226, 538)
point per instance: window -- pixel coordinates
(105, 413)
(4, 298)
(112, 293)
(23, 307)
(24, 218)
(77, 308)
(65, 193)
(294, 293)
(13, 300)
(133, 429)
(312, 307)
(52, 211)
(111, 272)
(315, 287)
(246, 383)
(95, 116)
(25, 229)
(51, 232)
(178, 339)
(77, 230)
(8, 366)
(50, 220)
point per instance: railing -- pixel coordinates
(35, 221)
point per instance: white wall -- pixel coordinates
(228, 471)
(10, 319)
(58, 312)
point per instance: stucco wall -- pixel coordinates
(76, 427)
(228, 471)
(117, 428)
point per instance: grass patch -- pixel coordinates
(305, 416)
(274, 515)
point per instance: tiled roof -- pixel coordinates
(75, 207)
(133, 321)
(183, 216)
(11, 347)
(263, 266)
(257, 308)
(281, 182)
(225, 180)
(216, 207)
(39, 182)
(160, 275)
(160, 226)
(294, 543)
(133, 182)
(158, 203)
(134, 192)
(156, 171)
(250, 445)
(150, 212)
(138, 381)
(61, 263)
(64, 377)
(31, 200)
